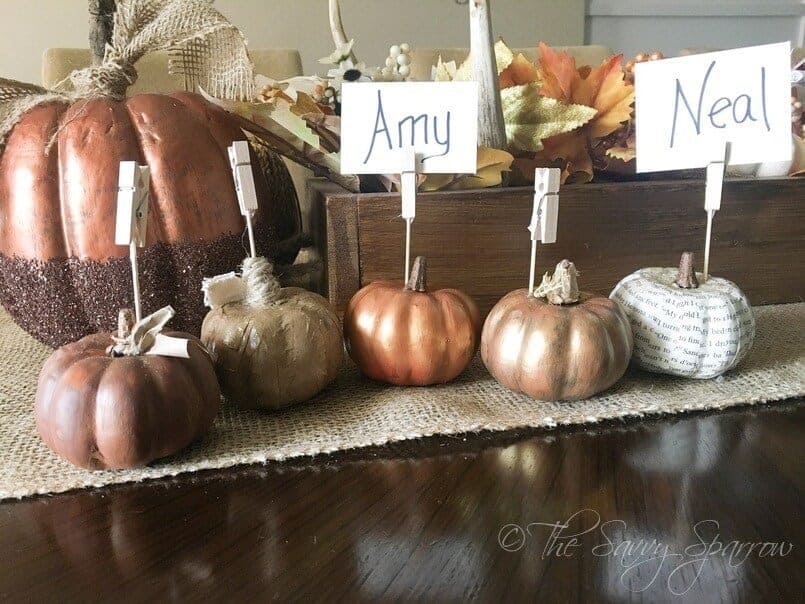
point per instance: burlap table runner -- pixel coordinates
(355, 412)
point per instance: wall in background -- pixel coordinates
(376, 24)
(28, 28)
(671, 25)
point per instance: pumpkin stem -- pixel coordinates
(562, 287)
(125, 321)
(262, 287)
(419, 272)
(686, 277)
(101, 24)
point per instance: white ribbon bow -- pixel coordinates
(223, 289)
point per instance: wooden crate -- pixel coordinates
(477, 240)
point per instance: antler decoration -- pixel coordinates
(337, 28)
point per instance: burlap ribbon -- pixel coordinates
(204, 48)
(146, 337)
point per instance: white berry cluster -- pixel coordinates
(398, 64)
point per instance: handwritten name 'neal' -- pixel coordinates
(718, 114)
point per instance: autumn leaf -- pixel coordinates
(489, 173)
(503, 55)
(558, 73)
(306, 105)
(603, 88)
(522, 169)
(443, 72)
(519, 71)
(523, 71)
(491, 164)
(613, 98)
(572, 149)
(625, 154)
(531, 117)
(464, 71)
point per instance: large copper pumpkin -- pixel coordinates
(61, 274)
(405, 335)
(101, 411)
(559, 348)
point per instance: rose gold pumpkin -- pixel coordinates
(405, 335)
(556, 352)
(99, 411)
(61, 274)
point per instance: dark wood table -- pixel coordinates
(702, 508)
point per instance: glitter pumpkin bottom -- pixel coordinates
(62, 300)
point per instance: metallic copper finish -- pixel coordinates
(556, 352)
(62, 203)
(98, 411)
(30, 206)
(411, 338)
(58, 197)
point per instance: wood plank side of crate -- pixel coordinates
(334, 225)
(477, 240)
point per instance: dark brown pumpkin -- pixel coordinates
(61, 274)
(100, 411)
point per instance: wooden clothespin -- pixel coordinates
(544, 214)
(132, 217)
(408, 187)
(712, 199)
(798, 74)
(241, 163)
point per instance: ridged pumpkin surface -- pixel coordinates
(61, 274)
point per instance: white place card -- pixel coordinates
(438, 119)
(687, 108)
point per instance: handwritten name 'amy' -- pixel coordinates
(719, 112)
(414, 130)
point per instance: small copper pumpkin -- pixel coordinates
(405, 335)
(570, 345)
(99, 410)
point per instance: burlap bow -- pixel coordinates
(146, 337)
(204, 48)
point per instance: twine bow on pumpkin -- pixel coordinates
(204, 48)
(145, 337)
(257, 285)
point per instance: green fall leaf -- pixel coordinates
(530, 117)
(503, 55)
(503, 58)
(294, 124)
(444, 72)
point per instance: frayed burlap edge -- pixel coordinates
(355, 413)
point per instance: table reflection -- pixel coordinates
(427, 523)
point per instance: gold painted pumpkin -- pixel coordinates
(568, 346)
(100, 410)
(408, 336)
(273, 346)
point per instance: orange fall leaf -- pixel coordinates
(519, 72)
